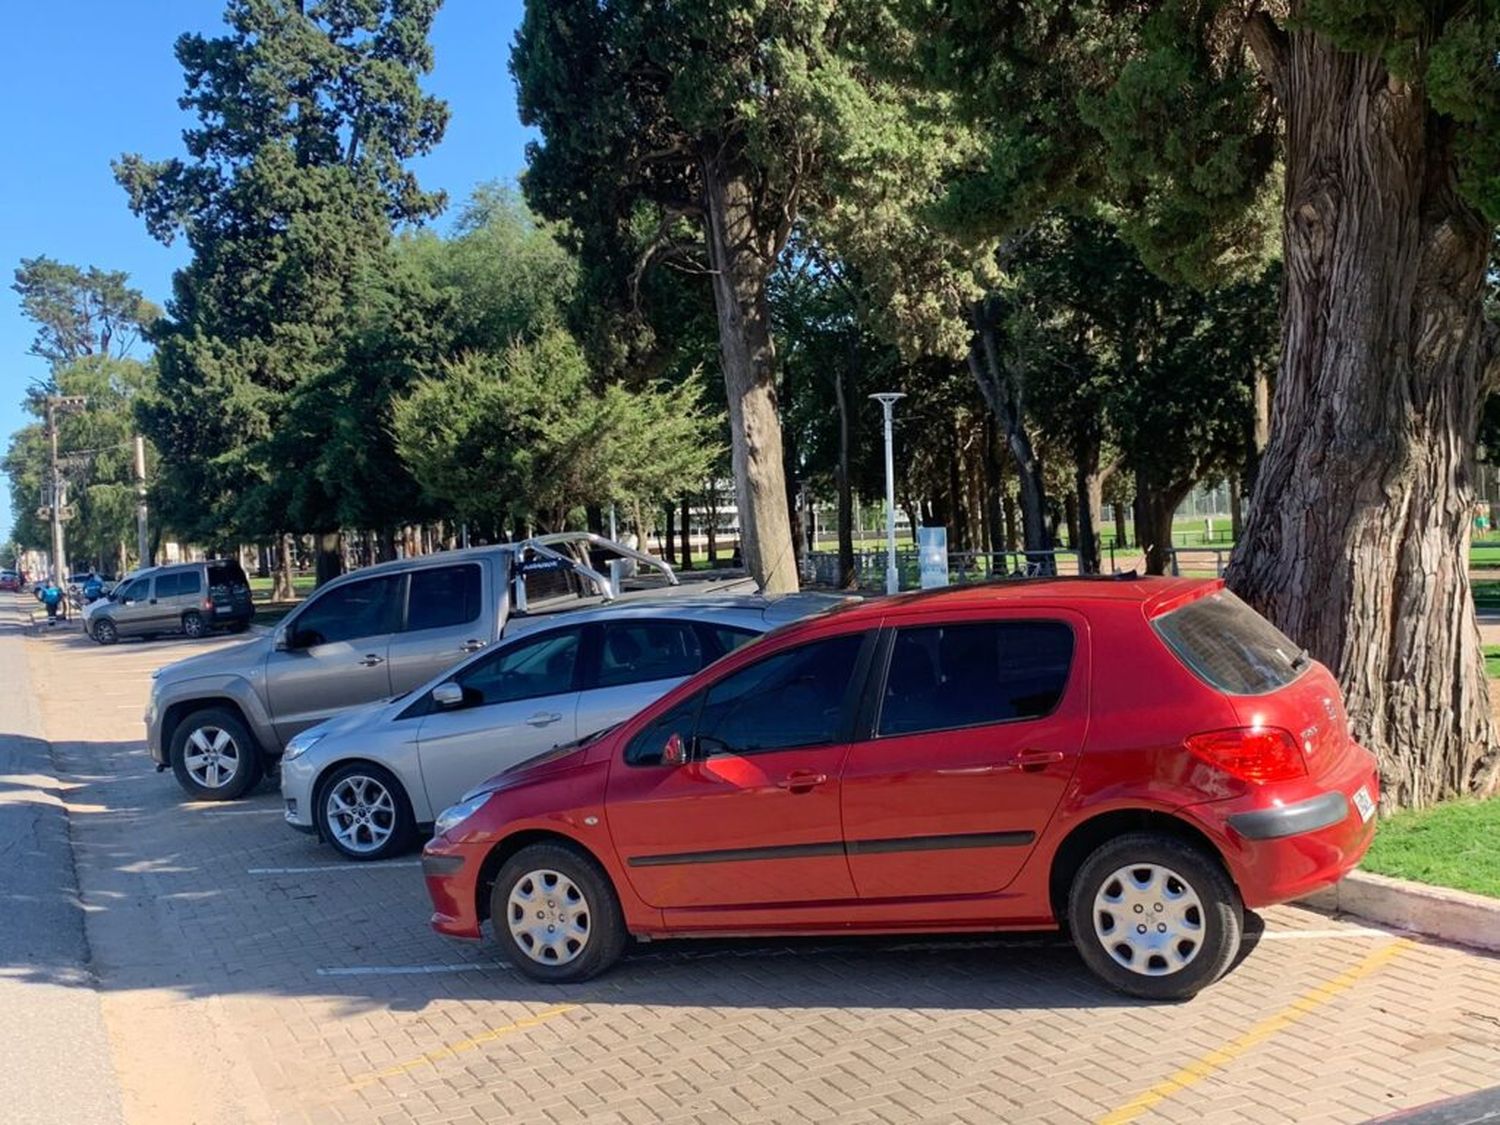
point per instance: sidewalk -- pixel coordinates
(55, 1061)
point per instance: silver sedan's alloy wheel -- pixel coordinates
(1148, 918)
(361, 813)
(212, 758)
(548, 917)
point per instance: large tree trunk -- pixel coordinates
(741, 258)
(1357, 538)
(282, 589)
(330, 557)
(1154, 509)
(687, 532)
(1090, 484)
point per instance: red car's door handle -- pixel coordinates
(800, 781)
(1038, 759)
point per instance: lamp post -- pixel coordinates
(888, 402)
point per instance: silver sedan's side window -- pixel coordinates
(529, 669)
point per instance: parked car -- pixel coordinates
(220, 720)
(10, 581)
(1135, 760)
(187, 598)
(368, 781)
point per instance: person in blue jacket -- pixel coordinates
(52, 597)
(93, 587)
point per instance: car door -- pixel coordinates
(445, 623)
(519, 700)
(335, 655)
(977, 731)
(188, 597)
(132, 610)
(752, 817)
(635, 661)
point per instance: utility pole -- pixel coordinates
(888, 402)
(141, 541)
(59, 404)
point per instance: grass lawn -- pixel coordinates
(1492, 661)
(260, 588)
(1453, 845)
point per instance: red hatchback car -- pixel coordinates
(1136, 760)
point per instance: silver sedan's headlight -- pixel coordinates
(299, 745)
(454, 815)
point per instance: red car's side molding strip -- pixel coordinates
(836, 847)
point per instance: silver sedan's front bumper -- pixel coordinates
(297, 778)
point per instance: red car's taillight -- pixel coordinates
(1251, 753)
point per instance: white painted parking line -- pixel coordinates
(1326, 935)
(407, 970)
(348, 868)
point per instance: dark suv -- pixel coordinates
(190, 598)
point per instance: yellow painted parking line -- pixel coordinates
(454, 1049)
(1299, 1009)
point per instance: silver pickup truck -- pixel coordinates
(220, 720)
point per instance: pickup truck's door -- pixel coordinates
(448, 616)
(338, 644)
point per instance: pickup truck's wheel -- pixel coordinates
(193, 625)
(214, 757)
(1155, 916)
(363, 812)
(105, 632)
(556, 914)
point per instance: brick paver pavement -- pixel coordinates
(248, 974)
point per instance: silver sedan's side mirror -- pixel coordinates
(448, 694)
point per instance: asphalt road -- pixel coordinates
(54, 1053)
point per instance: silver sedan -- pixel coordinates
(369, 780)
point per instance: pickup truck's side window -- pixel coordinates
(443, 597)
(367, 608)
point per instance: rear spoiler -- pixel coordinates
(1177, 598)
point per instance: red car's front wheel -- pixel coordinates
(556, 914)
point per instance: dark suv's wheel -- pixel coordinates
(363, 812)
(1155, 916)
(193, 624)
(105, 632)
(556, 914)
(214, 757)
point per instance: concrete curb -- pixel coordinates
(1439, 912)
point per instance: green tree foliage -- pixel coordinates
(525, 434)
(1380, 119)
(80, 312)
(97, 446)
(710, 119)
(296, 172)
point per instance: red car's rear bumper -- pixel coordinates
(1285, 845)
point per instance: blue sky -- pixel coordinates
(82, 81)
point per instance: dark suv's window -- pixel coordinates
(367, 608)
(944, 677)
(635, 652)
(190, 582)
(229, 575)
(1229, 645)
(443, 597)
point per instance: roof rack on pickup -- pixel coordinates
(581, 553)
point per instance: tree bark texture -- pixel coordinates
(1153, 527)
(282, 589)
(1003, 397)
(1356, 542)
(330, 559)
(687, 532)
(741, 257)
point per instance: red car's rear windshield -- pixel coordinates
(1229, 645)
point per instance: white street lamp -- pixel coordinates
(888, 402)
